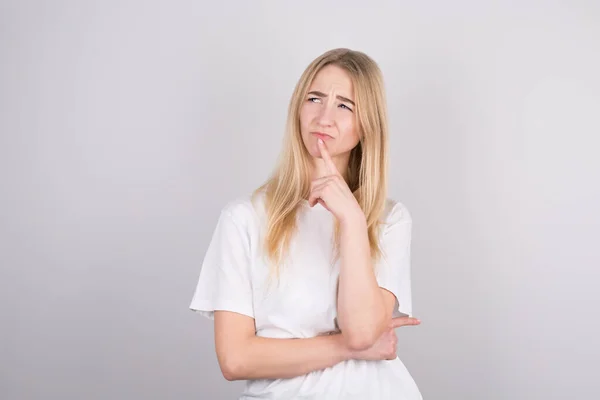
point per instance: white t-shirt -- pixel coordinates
(302, 304)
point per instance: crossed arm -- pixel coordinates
(243, 355)
(364, 314)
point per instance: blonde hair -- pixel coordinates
(367, 167)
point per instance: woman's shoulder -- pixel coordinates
(245, 209)
(395, 211)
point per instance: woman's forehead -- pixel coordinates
(333, 78)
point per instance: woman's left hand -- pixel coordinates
(332, 191)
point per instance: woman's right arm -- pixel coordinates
(243, 355)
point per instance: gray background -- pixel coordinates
(126, 126)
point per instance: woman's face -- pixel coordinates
(328, 112)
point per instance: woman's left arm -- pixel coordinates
(364, 309)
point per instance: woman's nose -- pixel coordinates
(325, 116)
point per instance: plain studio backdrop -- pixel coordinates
(127, 125)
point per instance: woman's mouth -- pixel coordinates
(322, 135)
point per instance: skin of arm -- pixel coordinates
(364, 309)
(243, 355)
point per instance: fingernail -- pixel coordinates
(320, 140)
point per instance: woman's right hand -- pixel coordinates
(385, 346)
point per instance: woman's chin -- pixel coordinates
(317, 154)
(314, 151)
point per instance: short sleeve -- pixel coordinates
(393, 269)
(224, 282)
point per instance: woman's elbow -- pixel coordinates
(232, 371)
(360, 338)
(359, 341)
(232, 368)
(229, 375)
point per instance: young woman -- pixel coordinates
(307, 277)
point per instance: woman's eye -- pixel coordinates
(314, 99)
(346, 107)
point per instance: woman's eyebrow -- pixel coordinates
(342, 98)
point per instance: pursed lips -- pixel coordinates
(322, 135)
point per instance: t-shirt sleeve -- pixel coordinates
(224, 282)
(393, 269)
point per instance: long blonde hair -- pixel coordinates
(367, 167)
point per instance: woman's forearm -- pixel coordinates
(269, 358)
(360, 307)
